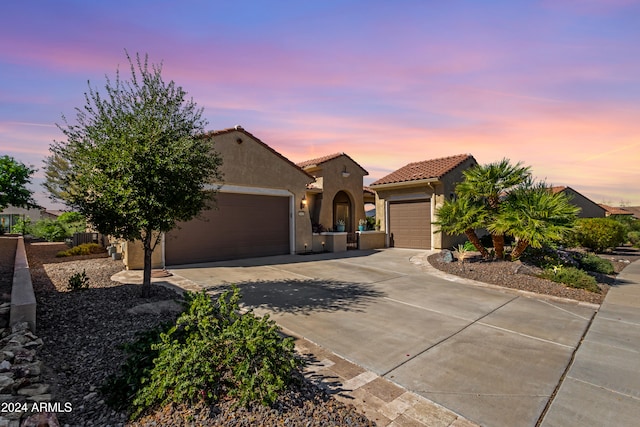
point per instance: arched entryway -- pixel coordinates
(343, 210)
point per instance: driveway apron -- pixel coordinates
(494, 356)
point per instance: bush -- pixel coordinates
(78, 281)
(22, 226)
(591, 262)
(598, 234)
(211, 352)
(83, 249)
(50, 230)
(634, 238)
(572, 277)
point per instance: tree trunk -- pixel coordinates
(520, 247)
(148, 251)
(473, 238)
(498, 245)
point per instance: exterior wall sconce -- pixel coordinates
(303, 202)
(345, 174)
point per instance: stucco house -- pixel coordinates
(259, 206)
(588, 208)
(337, 193)
(616, 211)
(407, 199)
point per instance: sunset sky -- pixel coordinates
(552, 83)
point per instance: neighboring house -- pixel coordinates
(408, 198)
(257, 208)
(11, 215)
(588, 208)
(337, 192)
(635, 210)
(616, 212)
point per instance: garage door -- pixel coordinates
(243, 226)
(410, 224)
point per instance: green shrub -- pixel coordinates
(83, 249)
(120, 389)
(598, 234)
(572, 277)
(591, 262)
(78, 281)
(22, 226)
(50, 230)
(211, 352)
(634, 238)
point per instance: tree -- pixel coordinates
(14, 177)
(462, 215)
(534, 216)
(137, 159)
(488, 184)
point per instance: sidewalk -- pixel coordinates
(602, 386)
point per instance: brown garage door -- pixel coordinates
(243, 226)
(410, 224)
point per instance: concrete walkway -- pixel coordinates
(602, 385)
(410, 346)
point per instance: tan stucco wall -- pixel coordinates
(249, 163)
(333, 182)
(436, 191)
(133, 255)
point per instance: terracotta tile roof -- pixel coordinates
(435, 168)
(320, 160)
(213, 133)
(557, 189)
(368, 190)
(612, 210)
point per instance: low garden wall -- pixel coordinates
(23, 299)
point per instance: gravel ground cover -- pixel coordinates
(522, 276)
(81, 331)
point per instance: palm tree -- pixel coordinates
(462, 215)
(534, 216)
(488, 184)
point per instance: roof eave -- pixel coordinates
(414, 183)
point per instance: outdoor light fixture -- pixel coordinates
(303, 202)
(345, 174)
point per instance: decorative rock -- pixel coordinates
(20, 326)
(90, 396)
(8, 355)
(5, 365)
(40, 398)
(24, 356)
(34, 390)
(46, 419)
(6, 383)
(35, 343)
(447, 255)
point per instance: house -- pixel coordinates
(337, 194)
(257, 206)
(635, 210)
(588, 208)
(616, 212)
(265, 206)
(407, 199)
(11, 215)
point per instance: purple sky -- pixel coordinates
(554, 84)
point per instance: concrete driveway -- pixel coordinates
(492, 355)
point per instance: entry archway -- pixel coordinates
(343, 210)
